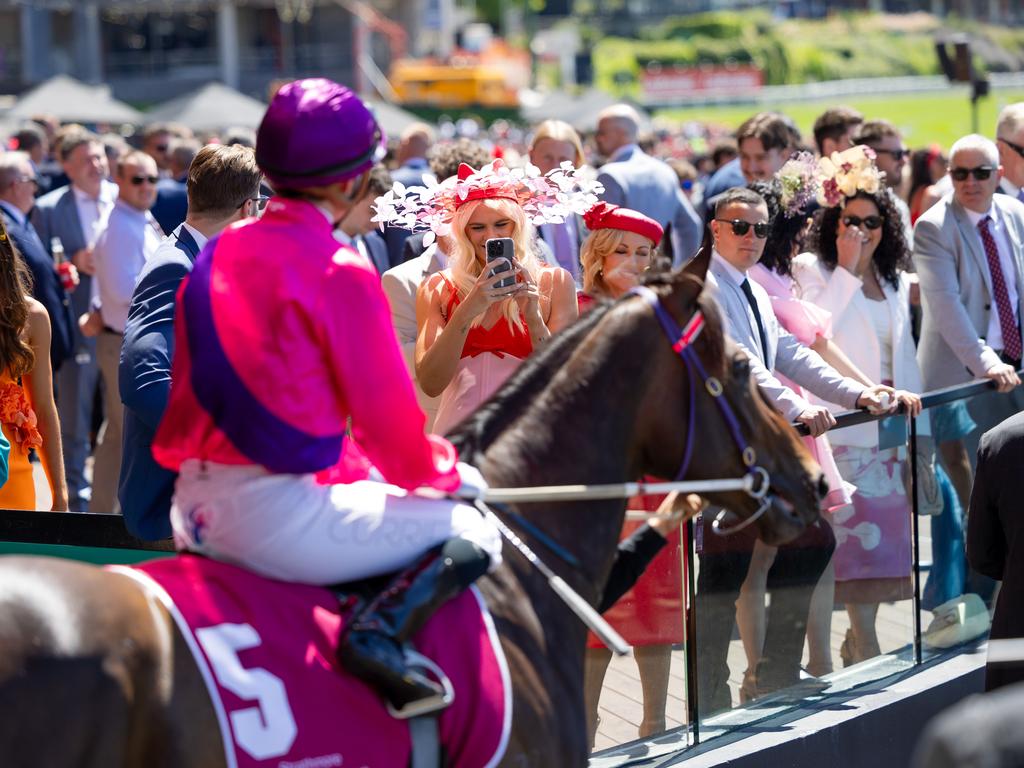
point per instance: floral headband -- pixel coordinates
(844, 174)
(800, 183)
(546, 199)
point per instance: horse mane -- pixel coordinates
(472, 436)
(476, 432)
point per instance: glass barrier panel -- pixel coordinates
(640, 699)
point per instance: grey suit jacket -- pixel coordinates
(785, 354)
(56, 215)
(956, 289)
(648, 185)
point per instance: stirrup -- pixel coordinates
(431, 704)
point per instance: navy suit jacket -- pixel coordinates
(46, 288)
(377, 250)
(171, 206)
(144, 378)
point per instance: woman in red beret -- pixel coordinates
(622, 245)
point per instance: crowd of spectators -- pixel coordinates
(908, 279)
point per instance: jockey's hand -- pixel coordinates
(471, 483)
(674, 510)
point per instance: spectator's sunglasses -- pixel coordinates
(1015, 147)
(741, 227)
(871, 222)
(981, 173)
(138, 181)
(898, 155)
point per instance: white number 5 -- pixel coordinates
(264, 731)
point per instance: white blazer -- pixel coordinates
(839, 292)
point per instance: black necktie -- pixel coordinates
(749, 293)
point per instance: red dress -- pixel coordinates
(489, 356)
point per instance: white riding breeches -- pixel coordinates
(288, 527)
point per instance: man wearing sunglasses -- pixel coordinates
(968, 251)
(1010, 142)
(130, 238)
(891, 157)
(223, 187)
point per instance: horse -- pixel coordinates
(93, 671)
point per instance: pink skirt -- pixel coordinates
(475, 380)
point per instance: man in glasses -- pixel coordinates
(968, 251)
(739, 228)
(223, 187)
(156, 142)
(18, 184)
(131, 237)
(1010, 143)
(891, 157)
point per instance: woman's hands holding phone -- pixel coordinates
(487, 291)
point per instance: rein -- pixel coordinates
(682, 340)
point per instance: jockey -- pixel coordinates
(283, 340)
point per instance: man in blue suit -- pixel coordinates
(412, 171)
(634, 179)
(77, 214)
(17, 197)
(357, 228)
(223, 188)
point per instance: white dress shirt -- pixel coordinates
(738, 277)
(93, 211)
(994, 336)
(129, 239)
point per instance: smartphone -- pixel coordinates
(501, 251)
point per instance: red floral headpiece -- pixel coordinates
(608, 216)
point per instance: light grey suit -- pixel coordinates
(641, 182)
(56, 215)
(401, 284)
(785, 354)
(956, 289)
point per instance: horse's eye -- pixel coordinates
(740, 365)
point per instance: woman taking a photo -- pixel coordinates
(480, 317)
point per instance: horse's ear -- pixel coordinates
(698, 265)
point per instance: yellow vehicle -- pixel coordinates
(450, 86)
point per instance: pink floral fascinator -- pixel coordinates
(800, 184)
(546, 198)
(844, 174)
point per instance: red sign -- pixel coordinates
(667, 84)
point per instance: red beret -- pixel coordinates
(608, 216)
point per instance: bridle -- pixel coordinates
(682, 340)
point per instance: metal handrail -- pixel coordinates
(928, 400)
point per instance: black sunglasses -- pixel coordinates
(260, 200)
(741, 227)
(980, 173)
(871, 222)
(897, 154)
(138, 181)
(1015, 147)
(30, 179)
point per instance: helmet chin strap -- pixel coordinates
(347, 200)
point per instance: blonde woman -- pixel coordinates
(475, 325)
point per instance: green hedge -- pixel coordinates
(797, 51)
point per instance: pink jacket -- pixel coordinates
(281, 336)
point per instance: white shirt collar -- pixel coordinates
(734, 274)
(975, 217)
(1009, 187)
(198, 236)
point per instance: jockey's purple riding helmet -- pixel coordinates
(316, 132)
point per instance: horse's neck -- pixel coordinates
(579, 429)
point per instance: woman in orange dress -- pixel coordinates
(28, 415)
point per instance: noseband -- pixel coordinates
(682, 344)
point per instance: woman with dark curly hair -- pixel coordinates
(789, 215)
(856, 272)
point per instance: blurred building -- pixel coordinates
(151, 51)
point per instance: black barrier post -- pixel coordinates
(915, 527)
(692, 707)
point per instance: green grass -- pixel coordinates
(923, 119)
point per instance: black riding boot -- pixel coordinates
(371, 648)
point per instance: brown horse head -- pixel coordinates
(758, 436)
